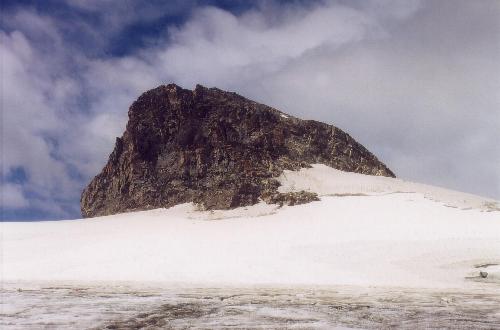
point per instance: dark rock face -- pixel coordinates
(216, 149)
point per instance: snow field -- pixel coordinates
(377, 237)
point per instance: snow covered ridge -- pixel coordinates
(327, 181)
(360, 233)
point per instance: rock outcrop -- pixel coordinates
(217, 149)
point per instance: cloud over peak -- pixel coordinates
(415, 81)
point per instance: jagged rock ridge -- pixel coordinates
(217, 149)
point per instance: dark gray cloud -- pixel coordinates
(417, 82)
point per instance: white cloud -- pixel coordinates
(27, 113)
(217, 47)
(33, 119)
(12, 197)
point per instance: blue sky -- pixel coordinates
(415, 81)
(130, 35)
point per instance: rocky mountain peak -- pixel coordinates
(216, 149)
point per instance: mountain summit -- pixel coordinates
(216, 149)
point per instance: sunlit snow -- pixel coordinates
(365, 232)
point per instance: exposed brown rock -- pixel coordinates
(291, 198)
(214, 148)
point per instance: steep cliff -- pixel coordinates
(217, 149)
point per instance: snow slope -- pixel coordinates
(366, 230)
(327, 181)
